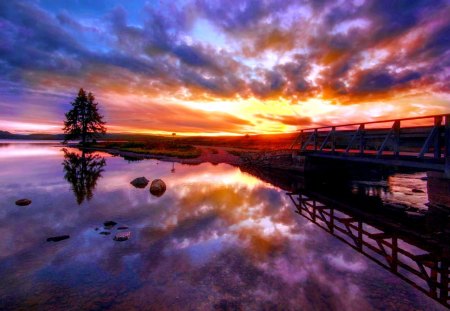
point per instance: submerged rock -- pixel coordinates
(122, 228)
(109, 224)
(58, 238)
(122, 236)
(105, 233)
(23, 202)
(158, 187)
(140, 182)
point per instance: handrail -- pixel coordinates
(374, 122)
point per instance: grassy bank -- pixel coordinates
(169, 149)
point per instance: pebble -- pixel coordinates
(122, 236)
(23, 202)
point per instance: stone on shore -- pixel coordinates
(58, 238)
(122, 236)
(140, 182)
(23, 202)
(157, 187)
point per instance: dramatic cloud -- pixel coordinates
(238, 53)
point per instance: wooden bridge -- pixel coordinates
(420, 142)
(417, 260)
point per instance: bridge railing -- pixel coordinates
(421, 137)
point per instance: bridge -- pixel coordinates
(419, 142)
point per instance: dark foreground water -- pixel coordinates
(218, 238)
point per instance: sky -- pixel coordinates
(214, 67)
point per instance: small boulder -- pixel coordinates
(23, 202)
(109, 223)
(140, 182)
(58, 238)
(157, 187)
(122, 236)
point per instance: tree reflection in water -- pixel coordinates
(82, 171)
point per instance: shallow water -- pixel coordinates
(218, 238)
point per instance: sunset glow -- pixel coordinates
(210, 67)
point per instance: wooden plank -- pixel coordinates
(379, 236)
(386, 139)
(427, 144)
(325, 140)
(352, 141)
(308, 140)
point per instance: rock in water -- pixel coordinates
(158, 187)
(105, 233)
(140, 182)
(23, 202)
(58, 238)
(122, 236)
(109, 224)
(122, 228)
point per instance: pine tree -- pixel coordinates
(83, 120)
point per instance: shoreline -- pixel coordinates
(206, 156)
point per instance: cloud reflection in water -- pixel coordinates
(218, 238)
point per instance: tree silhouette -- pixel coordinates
(82, 171)
(83, 120)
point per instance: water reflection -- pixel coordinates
(82, 171)
(419, 260)
(218, 238)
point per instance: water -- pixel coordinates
(218, 238)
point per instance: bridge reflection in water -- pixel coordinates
(418, 261)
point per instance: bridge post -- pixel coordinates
(447, 145)
(396, 138)
(301, 139)
(437, 140)
(362, 142)
(333, 138)
(316, 139)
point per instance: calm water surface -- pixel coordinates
(218, 238)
